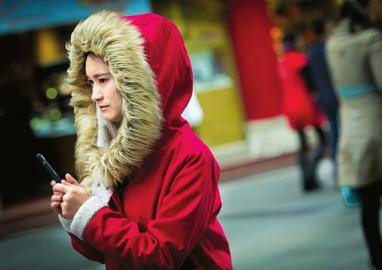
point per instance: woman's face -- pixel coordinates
(104, 90)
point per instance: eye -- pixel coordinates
(102, 80)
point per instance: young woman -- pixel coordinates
(146, 194)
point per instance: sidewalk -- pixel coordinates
(36, 212)
(269, 222)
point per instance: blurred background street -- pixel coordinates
(271, 224)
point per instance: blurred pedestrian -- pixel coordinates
(355, 61)
(319, 80)
(148, 197)
(300, 110)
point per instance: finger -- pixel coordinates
(55, 205)
(52, 183)
(56, 198)
(71, 179)
(66, 183)
(61, 188)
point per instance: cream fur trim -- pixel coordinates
(101, 197)
(85, 214)
(65, 223)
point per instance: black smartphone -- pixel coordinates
(49, 168)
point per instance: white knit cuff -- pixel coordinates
(85, 213)
(65, 223)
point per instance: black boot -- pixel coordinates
(310, 185)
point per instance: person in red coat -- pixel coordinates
(146, 190)
(300, 109)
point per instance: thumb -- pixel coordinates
(71, 179)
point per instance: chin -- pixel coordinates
(108, 118)
(111, 119)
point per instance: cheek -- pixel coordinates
(120, 105)
(114, 96)
(117, 100)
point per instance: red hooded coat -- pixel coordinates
(163, 213)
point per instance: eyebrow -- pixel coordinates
(99, 75)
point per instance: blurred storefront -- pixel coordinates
(34, 111)
(235, 74)
(204, 27)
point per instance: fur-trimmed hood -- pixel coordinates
(147, 58)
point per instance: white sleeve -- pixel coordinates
(84, 214)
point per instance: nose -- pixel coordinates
(96, 93)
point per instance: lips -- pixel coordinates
(102, 108)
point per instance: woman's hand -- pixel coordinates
(69, 196)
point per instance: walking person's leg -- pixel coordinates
(303, 159)
(334, 136)
(370, 207)
(316, 157)
(333, 125)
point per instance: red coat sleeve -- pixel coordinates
(180, 222)
(87, 250)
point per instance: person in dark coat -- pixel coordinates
(320, 81)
